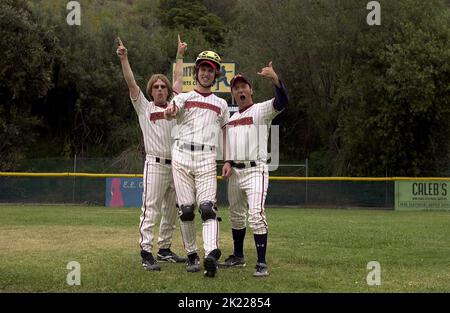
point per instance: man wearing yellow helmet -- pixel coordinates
(213, 60)
(200, 117)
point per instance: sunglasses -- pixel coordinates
(159, 87)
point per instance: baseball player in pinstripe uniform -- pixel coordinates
(245, 168)
(200, 116)
(159, 193)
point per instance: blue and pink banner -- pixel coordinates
(123, 192)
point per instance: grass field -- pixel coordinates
(309, 250)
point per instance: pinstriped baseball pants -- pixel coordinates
(158, 197)
(247, 190)
(195, 179)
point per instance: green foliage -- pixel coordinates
(397, 118)
(222, 8)
(88, 111)
(192, 14)
(17, 134)
(24, 77)
(365, 100)
(90, 88)
(311, 45)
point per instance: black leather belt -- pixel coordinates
(194, 147)
(164, 161)
(243, 165)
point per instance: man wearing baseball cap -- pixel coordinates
(246, 167)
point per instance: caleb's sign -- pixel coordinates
(422, 195)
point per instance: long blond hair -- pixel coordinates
(153, 80)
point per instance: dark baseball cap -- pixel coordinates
(240, 77)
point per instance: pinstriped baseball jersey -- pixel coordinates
(247, 132)
(155, 129)
(247, 136)
(201, 117)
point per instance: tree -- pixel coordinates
(88, 112)
(364, 100)
(24, 77)
(311, 45)
(397, 115)
(192, 14)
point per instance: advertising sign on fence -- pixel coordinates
(422, 195)
(123, 192)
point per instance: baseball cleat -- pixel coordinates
(166, 255)
(233, 260)
(150, 264)
(261, 270)
(210, 264)
(193, 264)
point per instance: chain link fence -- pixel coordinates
(87, 190)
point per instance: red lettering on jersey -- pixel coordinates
(156, 116)
(241, 121)
(201, 105)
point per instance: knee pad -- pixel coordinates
(187, 213)
(207, 211)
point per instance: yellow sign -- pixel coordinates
(222, 83)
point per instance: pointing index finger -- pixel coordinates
(179, 39)
(119, 42)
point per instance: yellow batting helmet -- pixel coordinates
(210, 57)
